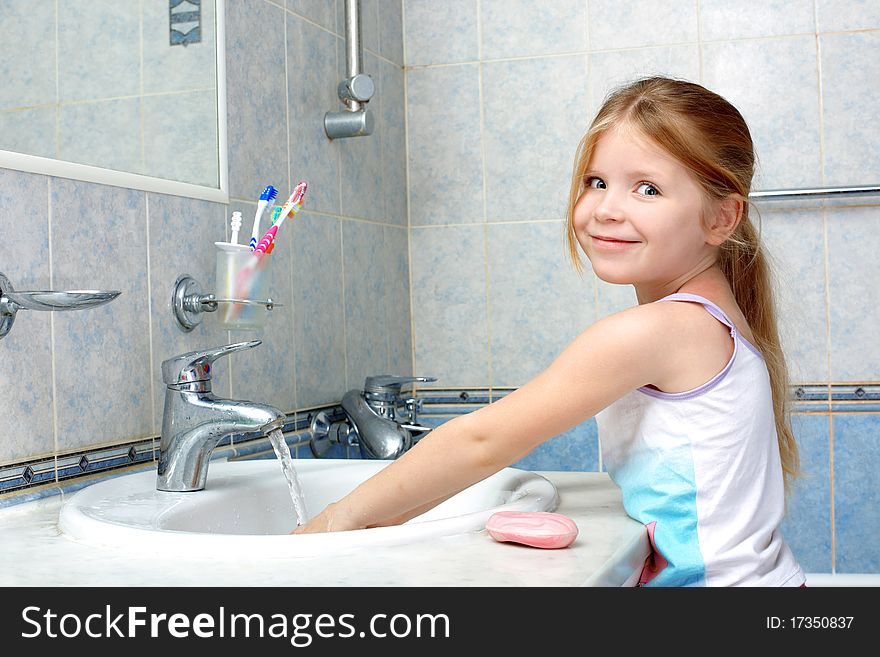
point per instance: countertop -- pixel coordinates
(609, 551)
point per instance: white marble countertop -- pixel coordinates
(609, 551)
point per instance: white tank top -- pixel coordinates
(701, 470)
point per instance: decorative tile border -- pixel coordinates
(184, 22)
(51, 475)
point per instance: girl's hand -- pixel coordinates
(331, 519)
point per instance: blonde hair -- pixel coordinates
(708, 136)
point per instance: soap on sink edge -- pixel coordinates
(540, 529)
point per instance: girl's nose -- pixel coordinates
(609, 207)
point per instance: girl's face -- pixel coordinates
(638, 219)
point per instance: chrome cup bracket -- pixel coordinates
(188, 302)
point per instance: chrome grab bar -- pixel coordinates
(815, 192)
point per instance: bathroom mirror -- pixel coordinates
(123, 93)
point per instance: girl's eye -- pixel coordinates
(647, 189)
(596, 183)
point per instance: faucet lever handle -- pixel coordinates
(196, 365)
(388, 384)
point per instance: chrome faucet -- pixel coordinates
(373, 419)
(194, 420)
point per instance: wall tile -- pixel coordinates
(369, 24)
(856, 494)
(807, 525)
(537, 305)
(449, 280)
(29, 131)
(392, 134)
(612, 298)
(360, 161)
(256, 115)
(91, 31)
(183, 142)
(445, 159)
(322, 12)
(533, 123)
(608, 70)
(318, 312)
(720, 20)
(174, 221)
(101, 134)
(520, 28)
(366, 338)
(641, 23)
(851, 100)
(836, 15)
(440, 31)
(311, 87)
(854, 298)
(25, 353)
(391, 30)
(576, 450)
(28, 73)
(785, 134)
(795, 243)
(398, 317)
(102, 355)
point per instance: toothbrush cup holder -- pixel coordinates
(242, 287)
(242, 291)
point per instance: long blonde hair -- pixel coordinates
(709, 136)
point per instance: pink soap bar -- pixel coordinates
(539, 529)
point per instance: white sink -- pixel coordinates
(246, 506)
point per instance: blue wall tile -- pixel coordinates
(857, 492)
(440, 32)
(537, 306)
(255, 99)
(576, 450)
(853, 240)
(520, 28)
(445, 158)
(850, 69)
(807, 525)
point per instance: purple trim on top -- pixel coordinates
(718, 314)
(713, 310)
(696, 392)
(752, 348)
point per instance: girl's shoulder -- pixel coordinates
(693, 345)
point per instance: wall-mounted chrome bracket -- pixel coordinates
(326, 433)
(188, 302)
(11, 301)
(357, 89)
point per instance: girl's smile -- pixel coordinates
(611, 243)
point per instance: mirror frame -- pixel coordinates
(88, 173)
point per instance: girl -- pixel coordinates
(688, 388)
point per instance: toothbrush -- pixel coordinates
(276, 212)
(293, 205)
(267, 243)
(235, 224)
(269, 194)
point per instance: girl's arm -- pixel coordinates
(612, 357)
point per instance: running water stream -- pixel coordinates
(282, 451)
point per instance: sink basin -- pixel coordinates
(246, 505)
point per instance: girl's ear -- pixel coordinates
(724, 221)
